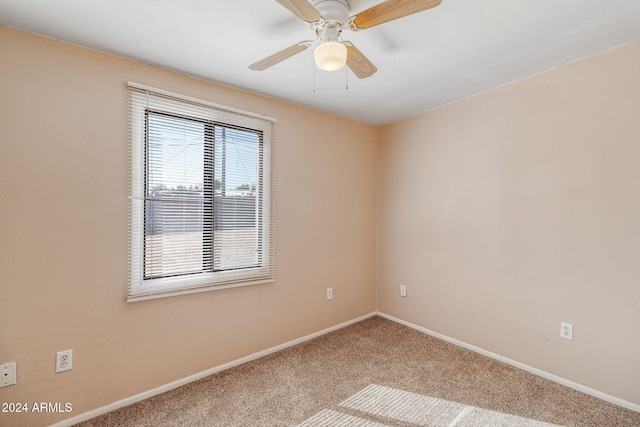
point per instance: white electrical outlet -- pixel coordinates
(329, 293)
(8, 374)
(566, 330)
(64, 360)
(403, 290)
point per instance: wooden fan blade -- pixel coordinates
(358, 63)
(302, 9)
(277, 57)
(388, 11)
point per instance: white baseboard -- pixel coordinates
(178, 383)
(584, 389)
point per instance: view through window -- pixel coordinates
(201, 197)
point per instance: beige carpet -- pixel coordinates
(371, 374)
(386, 403)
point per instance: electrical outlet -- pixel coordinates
(566, 330)
(329, 293)
(403, 290)
(64, 360)
(8, 374)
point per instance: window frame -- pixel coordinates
(144, 99)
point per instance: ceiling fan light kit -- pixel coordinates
(330, 55)
(328, 18)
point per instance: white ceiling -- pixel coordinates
(425, 60)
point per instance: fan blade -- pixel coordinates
(388, 11)
(358, 63)
(302, 9)
(277, 57)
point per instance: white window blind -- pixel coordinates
(201, 214)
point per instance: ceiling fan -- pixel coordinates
(328, 18)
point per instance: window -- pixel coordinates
(201, 206)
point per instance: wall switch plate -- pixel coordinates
(566, 330)
(7, 374)
(403, 290)
(329, 293)
(64, 360)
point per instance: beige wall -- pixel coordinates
(63, 234)
(516, 209)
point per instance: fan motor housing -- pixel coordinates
(332, 10)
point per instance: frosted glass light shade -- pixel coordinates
(330, 56)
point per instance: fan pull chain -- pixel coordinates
(314, 78)
(346, 78)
